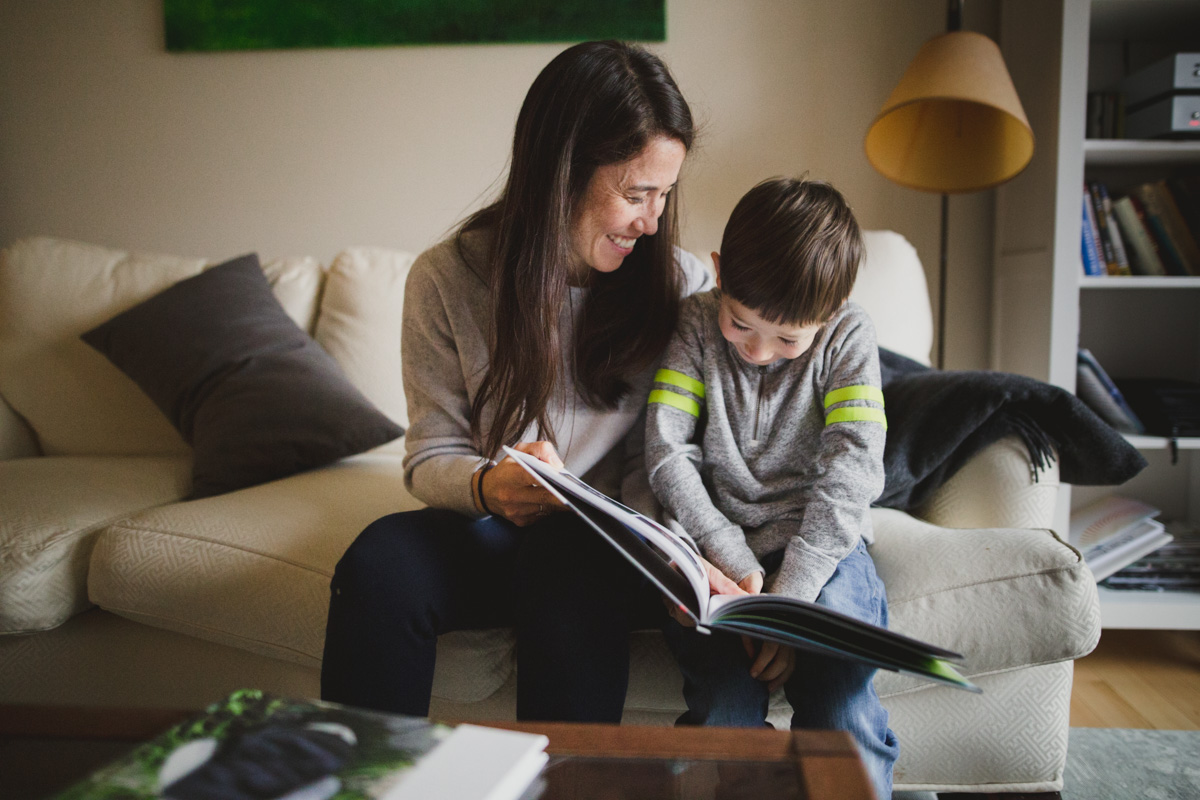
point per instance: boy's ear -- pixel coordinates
(716, 257)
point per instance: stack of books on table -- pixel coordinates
(1149, 229)
(1114, 532)
(253, 745)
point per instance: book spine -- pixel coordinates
(1177, 228)
(1114, 232)
(1145, 253)
(1152, 215)
(1102, 234)
(1187, 197)
(1092, 263)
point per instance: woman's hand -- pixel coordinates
(718, 583)
(509, 491)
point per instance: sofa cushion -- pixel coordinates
(250, 568)
(253, 394)
(53, 508)
(891, 287)
(359, 323)
(76, 402)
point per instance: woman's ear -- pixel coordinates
(716, 257)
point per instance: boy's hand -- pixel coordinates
(718, 583)
(752, 583)
(774, 664)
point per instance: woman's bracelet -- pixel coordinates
(479, 487)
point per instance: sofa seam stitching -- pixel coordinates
(241, 548)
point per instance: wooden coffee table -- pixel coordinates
(587, 762)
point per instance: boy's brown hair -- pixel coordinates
(791, 251)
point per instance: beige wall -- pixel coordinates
(107, 138)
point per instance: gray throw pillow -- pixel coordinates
(253, 394)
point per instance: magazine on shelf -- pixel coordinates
(1173, 567)
(674, 565)
(1100, 393)
(1114, 532)
(255, 745)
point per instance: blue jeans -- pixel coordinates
(410, 577)
(825, 692)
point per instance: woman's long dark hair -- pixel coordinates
(596, 103)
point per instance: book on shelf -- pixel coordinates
(1093, 259)
(256, 745)
(1108, 249)
(1177, 226)
(1120, 252)
(1146, 197)
(1174, 567)
(1185, 189)
(1145, 259)
(1100, 393)
(1115, 531)
(674, 565)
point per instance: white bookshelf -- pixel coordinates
(1044, 308)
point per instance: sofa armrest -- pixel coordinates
(16, 437)
(996, 489)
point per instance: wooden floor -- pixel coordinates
(1139, 679)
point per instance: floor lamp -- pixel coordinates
(953, 124)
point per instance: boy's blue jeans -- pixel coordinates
(825, 692)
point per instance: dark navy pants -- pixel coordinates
(412, 576)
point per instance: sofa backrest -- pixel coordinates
(891, 287)
(70, 396)
(77, 403)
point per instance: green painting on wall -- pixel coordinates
(198, 25)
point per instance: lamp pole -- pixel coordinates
(953, 23)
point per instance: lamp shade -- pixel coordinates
(954, 123)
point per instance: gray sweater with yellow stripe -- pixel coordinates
(752, 460)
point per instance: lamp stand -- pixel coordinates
(953, 23)
(941, 326)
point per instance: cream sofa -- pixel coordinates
(115, 593)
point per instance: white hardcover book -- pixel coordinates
(1116, 554)
(1106, 519)
(476, 763)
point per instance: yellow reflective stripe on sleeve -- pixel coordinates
(675, 400)
(854, 393)
(856, 414)
(674, 378)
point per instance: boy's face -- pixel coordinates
(759, 342)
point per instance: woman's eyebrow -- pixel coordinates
(643, 187)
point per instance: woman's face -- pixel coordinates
(623, 202)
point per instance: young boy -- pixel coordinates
(764, 443)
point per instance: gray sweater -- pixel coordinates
(444, 354)
(752, 460)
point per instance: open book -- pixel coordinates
(674, 565)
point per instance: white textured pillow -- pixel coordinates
(360, 321)
(51, 291)
(891, 287)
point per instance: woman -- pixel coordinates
(537, 325)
